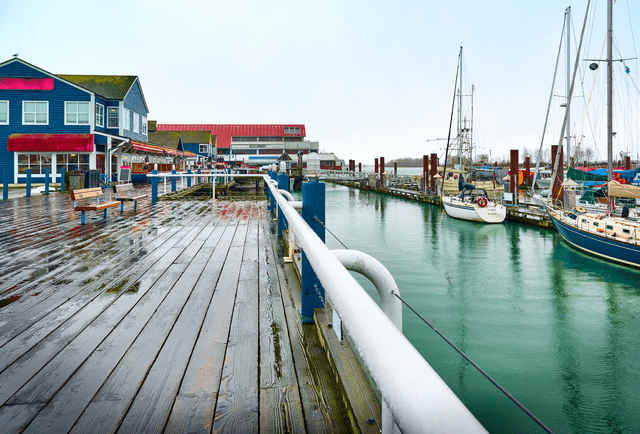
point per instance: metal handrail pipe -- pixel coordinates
(372, 269)
(418, 398)
(385, 284)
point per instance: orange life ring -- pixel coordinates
(482, 202)
(455, 177)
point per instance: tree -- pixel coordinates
(588, 155)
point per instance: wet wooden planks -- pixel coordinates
(169, 320)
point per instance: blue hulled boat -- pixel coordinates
(612, 238)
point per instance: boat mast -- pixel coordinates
(609, 92)
(460, 114)
(568, 16)
(473, 88)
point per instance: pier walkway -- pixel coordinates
(177, 318)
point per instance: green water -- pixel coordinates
(558, 329)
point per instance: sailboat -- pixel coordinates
(472, 204)
(614, 238)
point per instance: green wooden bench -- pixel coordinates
(124, 193)
(90, 199)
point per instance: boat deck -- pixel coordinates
(177, 318)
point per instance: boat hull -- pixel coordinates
(598, 245)
(467, 211)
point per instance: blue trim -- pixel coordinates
(599, 245)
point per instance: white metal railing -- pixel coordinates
(418, 398)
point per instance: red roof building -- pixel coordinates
(225, 134)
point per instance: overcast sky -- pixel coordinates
(367, 78)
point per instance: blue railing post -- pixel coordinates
(5, 184)
(46, 180)
(268, 193)
(154, 186)
(173, 181)
(28, 182)
(188, 178)
(63, 185)
(283, 184)
(273, 176)
(199, 178)
(313, 212)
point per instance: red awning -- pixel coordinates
(18, 83)
(144, 147)
(50, 143)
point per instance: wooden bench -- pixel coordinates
(124, 193)
(87, 204)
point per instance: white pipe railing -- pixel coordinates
(419, 399)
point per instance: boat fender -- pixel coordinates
(625, 211)
(482, 202)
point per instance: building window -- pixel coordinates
(126, 119)
(72, 162)
(76, 113)
(4, 112)
(136, 123)
(144, 125)
(292, 130)
(35, 112)
(113, 118)
(99, 115)
(36, 162)
(204, 149)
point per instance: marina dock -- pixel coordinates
(520, 214)
(176, 318)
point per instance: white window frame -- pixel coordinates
(126, 119)
(136, 122)
(117, 117)
(35, 122)
(76, 113)
(99, 115)
(206, 149)
(7, 121)
(144, 125)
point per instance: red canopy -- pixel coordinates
(50, 143)
(18, 83)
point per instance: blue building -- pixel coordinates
(75, 122)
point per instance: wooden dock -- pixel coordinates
(178, 318)
(517, 214)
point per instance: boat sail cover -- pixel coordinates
(617, 189)
(582, 175)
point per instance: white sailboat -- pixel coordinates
(472, 204)
(614, 238)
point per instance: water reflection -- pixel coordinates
(560, 329)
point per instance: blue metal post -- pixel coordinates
(63, 185)
(268, 193)
(28, 182)
(199, 178)
(154, 186)
(5, 184)
(283, 184)
(188, 178)
(273, 176)
(313, 212)
(46, 180)
(173, 181)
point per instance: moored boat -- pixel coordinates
(604, 235)
(474, 207)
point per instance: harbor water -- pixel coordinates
(558, 329)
